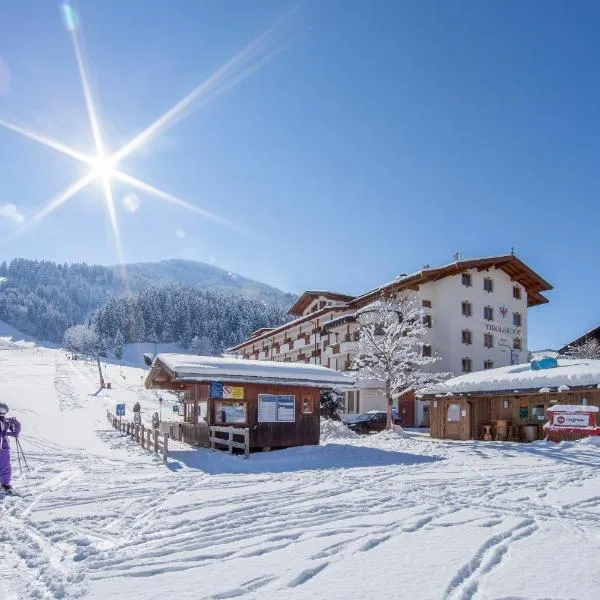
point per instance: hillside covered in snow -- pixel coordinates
(385, 516)
(43, 299)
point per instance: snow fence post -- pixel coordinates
(142, 437)
(246, 442)
(147, 439)
(230, 440)
(156, 441)
(165, 447)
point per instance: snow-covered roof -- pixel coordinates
(186, 367)
(572, 408)
(569, 372)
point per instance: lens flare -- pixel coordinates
(69, 17)
(104, 166)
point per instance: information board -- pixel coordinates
(276, 409)
(120, 409)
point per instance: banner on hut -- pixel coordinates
(226, 392)
(571, 420)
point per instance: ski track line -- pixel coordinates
(465, 583)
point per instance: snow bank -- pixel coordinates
(391, 434)
(335, 430)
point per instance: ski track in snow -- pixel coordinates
(89, 518)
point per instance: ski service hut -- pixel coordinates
(278, 402)
(510, 403)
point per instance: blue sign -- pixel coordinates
(216, 389)
(120, 410)
(175, 408)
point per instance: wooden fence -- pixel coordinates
(229, 441)
(145, 436)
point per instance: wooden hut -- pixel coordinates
(510, 403)
(278, 402)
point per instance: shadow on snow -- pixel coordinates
(302, 458)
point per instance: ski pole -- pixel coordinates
(19, 457)
(19, 447)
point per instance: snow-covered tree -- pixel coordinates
(590, 348)
(118, 344)
(391, 347)
(80, 338)
(331, 405)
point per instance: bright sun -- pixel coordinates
(103, 167)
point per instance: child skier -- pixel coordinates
(8, 427)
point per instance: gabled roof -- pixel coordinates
(515, 268)
(288, 325)
(588, 335)
(261, 331)
(311, 295)
(186, 368)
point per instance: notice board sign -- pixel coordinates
(225, 392)
(120, 410)
(232, 392)
(216, 389)
(276, 409)
(571, 419)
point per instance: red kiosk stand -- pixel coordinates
(571, 422)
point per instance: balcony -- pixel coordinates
(335, 349)
(315, 353)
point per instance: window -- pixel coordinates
(538, 412)
(466, 365)
(230, 412)
(276, 409)
(488, 284)
(453, 413)
(488, 364)
(488, 313)
(516, 344)
(517, 292)
(467, 336)
(427, 303)
(307, 405)
(466, 309)
(353, 401)
(426, 350)
(488, 340)
(517, 319)
(466, 279)
(427, 320)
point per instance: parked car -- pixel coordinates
(374, 420)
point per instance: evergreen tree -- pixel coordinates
(331, 405)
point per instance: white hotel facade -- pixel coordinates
(475, 311)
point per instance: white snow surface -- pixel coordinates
(384, 516)
(569, 372)
(213, 368)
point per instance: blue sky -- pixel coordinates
(380, 137)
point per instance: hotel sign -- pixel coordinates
(516, 331)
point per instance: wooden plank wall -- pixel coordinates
(305, 430)
(483, 409)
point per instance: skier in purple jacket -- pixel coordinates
(8, 427)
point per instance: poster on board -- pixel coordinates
(276, 409)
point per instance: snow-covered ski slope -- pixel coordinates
(385, 517)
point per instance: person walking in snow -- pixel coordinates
(8, 427)
(137, 413)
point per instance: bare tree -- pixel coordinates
(391, 349)
(590, 348)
